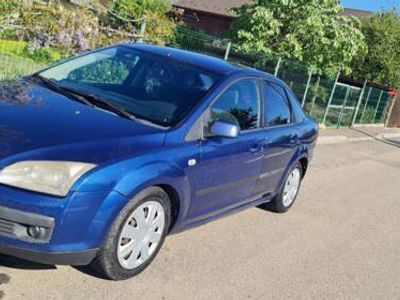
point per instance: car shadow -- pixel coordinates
(388, 141)
(21, 264)
(89, 271)
(17, 263)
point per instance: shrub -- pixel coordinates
(130, 14)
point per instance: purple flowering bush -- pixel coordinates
(54, 29)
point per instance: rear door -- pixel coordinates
(280, 132)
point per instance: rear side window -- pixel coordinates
(297, 110)
(277, 107)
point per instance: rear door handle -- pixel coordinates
(294, 139)
(259, 146)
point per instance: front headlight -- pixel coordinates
(50, 177)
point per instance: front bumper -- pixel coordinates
(75, 225)
(16, 224)
(72, 258)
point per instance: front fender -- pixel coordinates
(128, 178)
(158, 174)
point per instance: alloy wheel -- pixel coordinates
(291, 187)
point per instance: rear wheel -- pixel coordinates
(136, 236)
(288, 194)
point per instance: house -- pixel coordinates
(215, 16)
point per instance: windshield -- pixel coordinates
(156, 89)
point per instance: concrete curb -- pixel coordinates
(337, 139)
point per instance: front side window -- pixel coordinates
(239, 104)
(157, 89)
(277, 108)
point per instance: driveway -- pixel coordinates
(340, 240)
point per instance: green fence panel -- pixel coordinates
(382, 108)
(349, 106)
(318, 96)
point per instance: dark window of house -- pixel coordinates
(277, 108)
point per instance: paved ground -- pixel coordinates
(357, 132)
(340, 241)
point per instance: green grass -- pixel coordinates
(12, 66)
(20, 48)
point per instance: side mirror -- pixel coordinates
(224, 129)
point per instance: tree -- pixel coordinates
(313, 32)
(159, 25)
(381, 65)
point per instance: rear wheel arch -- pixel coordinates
(304, 165)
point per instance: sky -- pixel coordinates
(371, 5)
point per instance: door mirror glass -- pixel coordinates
(224, 129)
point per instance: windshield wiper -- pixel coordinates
(98, 102)
(52, 84)
(88, 99)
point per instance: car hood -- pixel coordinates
(38, 123)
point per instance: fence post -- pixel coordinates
(310, 74)
(359, 103)
(365, 105)
(277, 67)
(228, 49)
(142, 31)
(331, 98)
(377, 106)
(346, 97)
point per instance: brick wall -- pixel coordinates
(213, 24)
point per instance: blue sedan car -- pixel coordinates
(103, 155)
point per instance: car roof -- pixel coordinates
(196, 59)
(203, 61)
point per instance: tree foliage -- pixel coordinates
(381, 65)
(159, 24)
(313, 32)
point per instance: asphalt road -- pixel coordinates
(341, 240)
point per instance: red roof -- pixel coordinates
(218, 7)
(223, 7)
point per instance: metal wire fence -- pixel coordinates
(332, 103)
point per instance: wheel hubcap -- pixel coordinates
(141, 234)
(291, 187)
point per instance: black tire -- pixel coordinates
(106, 261)
(276, 204)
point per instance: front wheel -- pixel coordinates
(136, 236)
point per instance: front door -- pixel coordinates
(228, 170)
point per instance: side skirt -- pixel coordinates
(220, 214)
